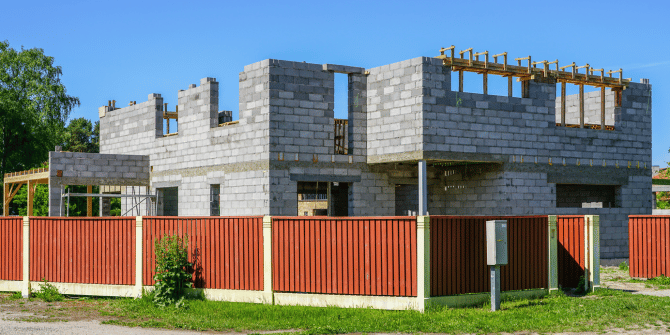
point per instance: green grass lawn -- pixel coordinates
(605, 309)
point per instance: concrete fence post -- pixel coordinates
(592, 244)
(422, 262)
(267, 259)
(139, 253)
(552, 239)
(25, 287)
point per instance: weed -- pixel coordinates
(171, 277)
(48, 292)
(16, 296)
(623, 266)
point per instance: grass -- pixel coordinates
(599, 311)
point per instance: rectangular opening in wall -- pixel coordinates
(341, 113)
(323, 198)
(168, 201)
(312, 198)
(214, 200)
(406, 199)
(587, 196)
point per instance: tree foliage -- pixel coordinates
(82, 136)
(34, 106)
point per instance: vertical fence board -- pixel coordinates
(346, 255)
(11, 248)
(458, 254)
(649, 245)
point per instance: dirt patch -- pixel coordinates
(37, 310)
(617, 279)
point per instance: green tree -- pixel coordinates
(34, 106)
(82, 136)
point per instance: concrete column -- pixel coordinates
(25, 287)
(422, 262)
(267, 259)
(139, 252)
(423, 189)
(592, 243)
(552, 236)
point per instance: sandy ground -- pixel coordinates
(82, 317)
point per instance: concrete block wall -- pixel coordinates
(202, 153)
(93, 169)
(591, 108)
(395, 108)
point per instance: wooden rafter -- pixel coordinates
(531, 70)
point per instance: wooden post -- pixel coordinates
(602, 108)
(509, 86)
(485, 83)
(31, 197)
(5, 194)
(563, 111)
(581, 105)
(460, 80)
(89, 201)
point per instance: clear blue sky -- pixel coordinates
(124, 50)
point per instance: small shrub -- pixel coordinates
(623, 266)
(48, 292)
(171, 277)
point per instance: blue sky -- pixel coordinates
(124, 50)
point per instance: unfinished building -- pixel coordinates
(411, 144)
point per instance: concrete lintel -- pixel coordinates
(325, 177)
(343, 69)
(660, 188)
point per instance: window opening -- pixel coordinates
(214, 200)
(170, 120)
(323, 198)
(587, 196)
(341, 113)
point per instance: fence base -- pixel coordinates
(465, 300)
(11, 285)
(346, 301)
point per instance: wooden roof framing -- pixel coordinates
(531, 70)
(13, 182)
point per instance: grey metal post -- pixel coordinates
(495, 287)
(423, 189)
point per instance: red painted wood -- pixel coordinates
(64, 250)
(11, 248)
(345, 255)
(458, 254)
(649, 245)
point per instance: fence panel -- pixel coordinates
(458, 254)
(83, 250)
(227, 252)
(649, 245)
(11, 248)
(570, 229)
(352, 255)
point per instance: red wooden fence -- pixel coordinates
(458, 254)
(83, 250)
(227, 252)
(11, 245)
(649, 245)
(353, 255)
(570, 249)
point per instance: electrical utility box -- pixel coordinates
(496, 242)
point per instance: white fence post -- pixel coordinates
(267, 259)
(422, 262)
(552, 236)
(139, 253)
(25, 289)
